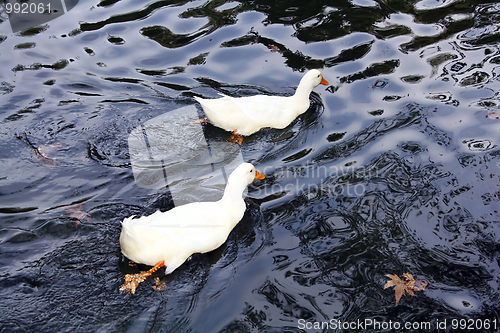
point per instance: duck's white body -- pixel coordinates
(199, 227)
(247, 115)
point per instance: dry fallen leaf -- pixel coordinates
(494, 114)
(159, 285)
(78, 213)
(42, 152)
(273, 48)
(409, 286)
(202, 121)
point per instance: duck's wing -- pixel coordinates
(200, 227)
(186, 227)
(194, 214)
(260, 109)
(219, 110)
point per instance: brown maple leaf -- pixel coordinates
(78, 213)
(409, 286)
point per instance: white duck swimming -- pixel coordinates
(247, 115)
(169, 238)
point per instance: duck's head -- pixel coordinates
(245, 173)
(313, 78)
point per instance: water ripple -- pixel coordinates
(393, 169)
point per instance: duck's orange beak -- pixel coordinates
(258, 175)
(324, 82)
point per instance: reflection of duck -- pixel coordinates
(247, 115)
(169, 238)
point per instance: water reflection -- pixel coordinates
(395, 167)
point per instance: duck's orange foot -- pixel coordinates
(236, 138)
(132, 281)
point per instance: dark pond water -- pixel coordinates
(394, 169)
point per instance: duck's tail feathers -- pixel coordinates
(127, 220)
(127, 227)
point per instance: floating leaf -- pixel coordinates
(408, 286)
(273, 48)
(494, 114)
(398, 284)
(159, 285)
(42, 152)
(78, 213)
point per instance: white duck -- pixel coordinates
(247, 115)
(169, 238)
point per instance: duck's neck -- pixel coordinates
(303, 91)
(233, 199)
(233, 192)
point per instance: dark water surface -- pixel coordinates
(394, 169)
